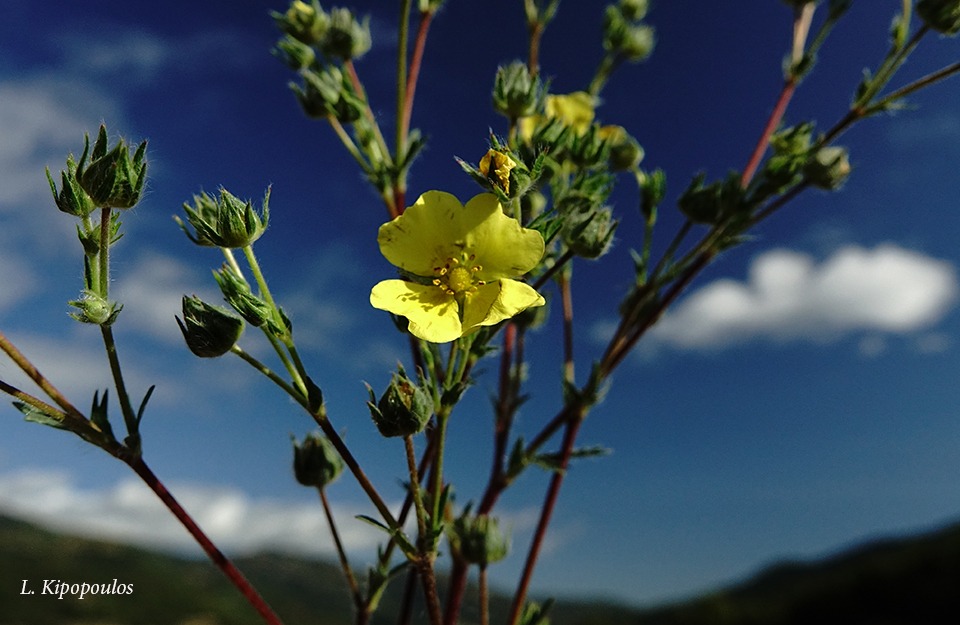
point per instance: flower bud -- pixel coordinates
(237, 292)
(403, 410)
(328, 92)
(516, 93)
(346, 38)
(304, 22)
(316, 461)
(477, 539)
(112, 179)
(624, 36)
(625, 151)
(95, 309)
(71, 198)
(296, 54)
(496, 166)
(638, 42)
(210, 331)
(941, 15)
(226, 221)
(828, 168)
(711, 203)
(634, 9)
(590, 235)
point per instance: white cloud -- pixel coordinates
(130, 512)
(789, 296)
(19, 280)
(152, 290)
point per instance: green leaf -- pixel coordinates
(35, 415)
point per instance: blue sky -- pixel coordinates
(801, 397)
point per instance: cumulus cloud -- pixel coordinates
(129, 512)
(151, 292)
(788, 296)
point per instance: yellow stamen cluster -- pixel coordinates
(455, 278)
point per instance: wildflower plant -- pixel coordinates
(473, 279)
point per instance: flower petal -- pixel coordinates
(433, 315)
(425, 235)
(503, 248)
(494, 302)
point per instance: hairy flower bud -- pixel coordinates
(711, 203)
(590, 234)
(210, 331)
(828, 168)
(71, 198)
(625, 151)
(237, 292)
(112, 179)
(328, 92)
(478, 539)
(404, 408)
(941, 15)
(624, 36)
(516, 93)
(316, 461)
(226, 221)
(345, 37)
(304, 22)
(634, 9)
(95, 309)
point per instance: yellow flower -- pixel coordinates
(496, 167)
(466, 256)
(573, 110)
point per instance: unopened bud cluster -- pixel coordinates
(625, 34)
(517, 93)
(337, 34)
(225, 221)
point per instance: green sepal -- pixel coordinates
(98, 414)
(535, 614)
(553, 461)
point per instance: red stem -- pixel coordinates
(570, 435)
(789, 86)
(222, 562)
(419, 44)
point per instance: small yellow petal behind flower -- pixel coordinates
(465, 258)
(575, 110)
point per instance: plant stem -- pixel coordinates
(342, 555)
(801, 29)
(219, 559)
(484, 597)
(104, 254)
(262, 368)
(546, 512)
(39, 379)
(129, 418)
(425, 542)
(566, 299)
(403, 36)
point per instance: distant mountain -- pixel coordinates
(909, 581)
